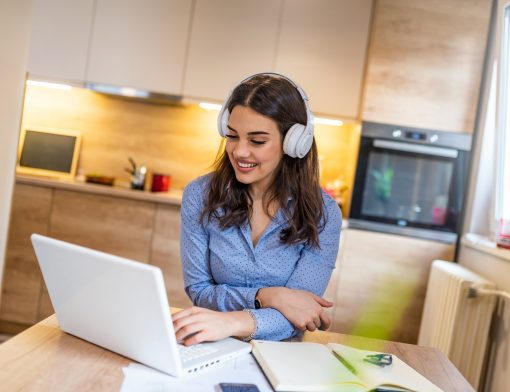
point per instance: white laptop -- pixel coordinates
(121, 305)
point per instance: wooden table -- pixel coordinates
(44, 358)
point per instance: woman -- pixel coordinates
(259, 238)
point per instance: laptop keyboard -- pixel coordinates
(189, 353)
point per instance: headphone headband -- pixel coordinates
(298, 139)
(298, 88)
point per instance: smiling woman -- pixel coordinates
(259, 238)
(254, 155)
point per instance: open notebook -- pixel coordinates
(314, 367)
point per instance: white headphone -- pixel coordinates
(299, 137)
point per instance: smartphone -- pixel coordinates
(229, 387)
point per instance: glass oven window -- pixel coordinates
(407, 188)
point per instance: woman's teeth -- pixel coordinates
(246, 165)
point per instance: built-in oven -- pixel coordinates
(410, 181)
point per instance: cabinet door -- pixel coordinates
(322, 46)
(122, 227)
(166, 254)
(140, 44)
(230, 39)
(383, 280)
(425, 63)
(60, 39)
(22, 277)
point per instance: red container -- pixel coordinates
(503, 235)
(160, 183)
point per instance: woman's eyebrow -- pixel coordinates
(249, 133)
(258, 133)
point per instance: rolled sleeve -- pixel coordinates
(272, 325)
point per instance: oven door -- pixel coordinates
(409, 188)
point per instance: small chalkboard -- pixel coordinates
(46, 152)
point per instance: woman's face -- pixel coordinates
(254, 147)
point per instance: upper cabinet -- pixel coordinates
(200, 49)
(140, 44)
(425, 63)
(322, 45)
(60, 39)
(230, 39)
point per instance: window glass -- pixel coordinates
(502, 209)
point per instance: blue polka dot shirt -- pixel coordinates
(223, 270)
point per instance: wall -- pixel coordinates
(496, 268)
(180, 140)
(14, 36)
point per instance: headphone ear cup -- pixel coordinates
(292, 141)
(223, 122)
(305, 143)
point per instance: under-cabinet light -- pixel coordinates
(57, 86)
(210, 106)
(328, 121)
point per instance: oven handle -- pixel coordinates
(419, 148)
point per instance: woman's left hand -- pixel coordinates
(195, 325)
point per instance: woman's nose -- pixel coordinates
(242, 149)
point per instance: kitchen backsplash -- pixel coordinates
(180, 140)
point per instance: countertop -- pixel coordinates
(174, 196)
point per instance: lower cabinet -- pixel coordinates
(165, 248)
(382, 284)
(144, 231)
(109, 224)
(22, 282)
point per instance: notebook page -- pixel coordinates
(397, 374)
(302, 366)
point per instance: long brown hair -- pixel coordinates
(295, 187)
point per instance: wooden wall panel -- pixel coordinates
(22, 277)
(425, 63)
(166, 253)
(119, 226)
(382, 284)
(180, 140)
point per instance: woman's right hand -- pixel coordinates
(305, 310)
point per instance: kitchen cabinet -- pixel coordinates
(230, 39)
(382, 284)
(21, 287)
(165, 247)
(322, 45)
(425, 63)
(200, 49)
(142, 230)
(139, 44)
(59, 39)
(113, 225)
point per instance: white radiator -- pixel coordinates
(455, 323)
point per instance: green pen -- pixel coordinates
(345, 363)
